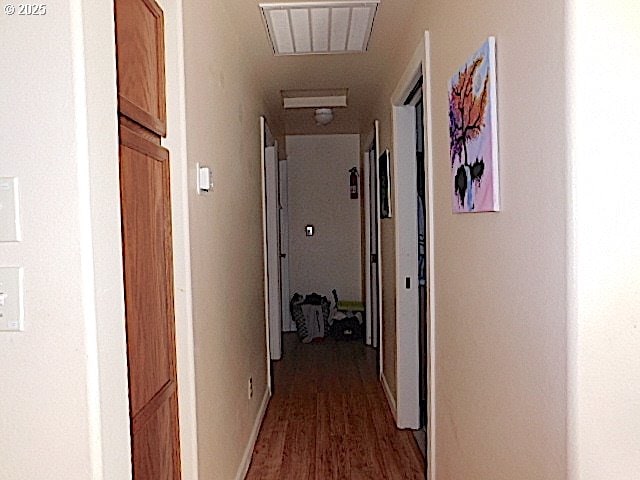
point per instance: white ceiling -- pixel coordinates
(362, 74)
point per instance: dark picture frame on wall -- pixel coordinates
(384, 179)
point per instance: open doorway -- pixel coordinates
(415, 99)
(414, 252)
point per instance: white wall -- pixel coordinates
(319, 195)
(604, 333)
(63, 380)
(64, 389)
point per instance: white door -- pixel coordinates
(288, 324)
(407, 301)
(371, 273)
(366, 192)
(273, 251)
(374, 255)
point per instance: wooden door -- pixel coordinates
(147, 242)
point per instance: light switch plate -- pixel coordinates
(9, 210)
(11, 302)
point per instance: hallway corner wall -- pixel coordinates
(500, 278)
(318, 167)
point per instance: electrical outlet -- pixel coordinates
(250, 388)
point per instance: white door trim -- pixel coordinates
(273, 251)
(420, 64)
(263, 145)
(181, 184)
(376, 340)
(376, 126)
(366, 193)
(288, 325)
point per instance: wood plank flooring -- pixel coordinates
(329, 419)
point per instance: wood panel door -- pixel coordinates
(140, 50)
(146, 234)
(147, 242)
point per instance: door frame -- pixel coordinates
(288, 325)
(373, 143)
(266, 140)
(181, 183)
(273, 249)
(366, 198)
(407, 331)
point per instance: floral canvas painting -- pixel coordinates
(473, 133)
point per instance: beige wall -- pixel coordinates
(223, 105)
(318, 170)
(500, 278)
(604, 333)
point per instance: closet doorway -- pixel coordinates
(147, 240)
(415, 322)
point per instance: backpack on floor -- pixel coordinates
(348, 328)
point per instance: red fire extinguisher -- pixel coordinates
(353, 183)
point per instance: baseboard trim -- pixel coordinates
(248, 453)
(390, 400)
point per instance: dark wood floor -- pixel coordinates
(329, 419)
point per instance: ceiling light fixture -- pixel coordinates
(323, 116)
(319, 27)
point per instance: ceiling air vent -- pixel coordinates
(319, 27)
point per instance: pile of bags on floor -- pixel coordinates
(311, 315)
(315, 317)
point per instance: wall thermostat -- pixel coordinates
(205, 179)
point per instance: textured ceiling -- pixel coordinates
(362, 74)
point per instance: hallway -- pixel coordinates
(328, 419)
(534, 327)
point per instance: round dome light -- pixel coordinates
(323, 116)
